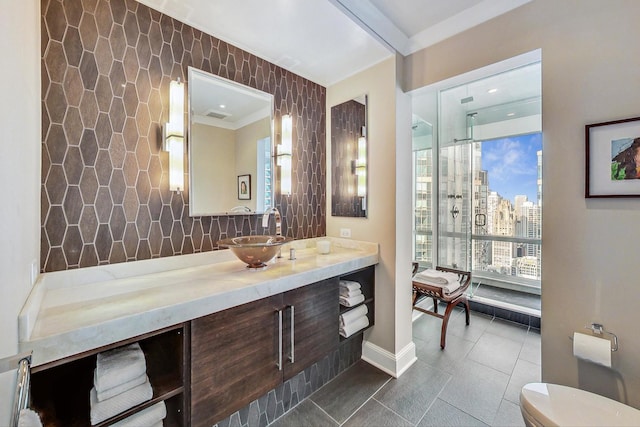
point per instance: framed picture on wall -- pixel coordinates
(613, 159)
(244, 187)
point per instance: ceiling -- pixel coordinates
(326, 41)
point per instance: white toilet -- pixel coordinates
(557, 405)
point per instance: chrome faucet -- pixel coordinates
(278, 218)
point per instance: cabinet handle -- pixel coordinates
(279, 364)
(293, 336)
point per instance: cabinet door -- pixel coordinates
(315, 311)
(234, 357)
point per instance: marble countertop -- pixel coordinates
(73, 311)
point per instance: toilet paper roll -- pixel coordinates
(593, 349)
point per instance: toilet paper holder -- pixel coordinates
(598, 329)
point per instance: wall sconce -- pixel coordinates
(284, 152)
(361, 167)
(173, 138)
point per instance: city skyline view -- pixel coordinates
(511, 165)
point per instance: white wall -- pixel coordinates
(590, 63)
(390, 339)
(19, 173)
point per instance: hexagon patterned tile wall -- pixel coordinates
(106, 68)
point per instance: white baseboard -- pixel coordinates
(392, 364)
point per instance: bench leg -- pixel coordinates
(466, 310)
(445, 323)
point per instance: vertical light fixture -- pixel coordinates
(361, 167)
(174, 136)
(284, 153)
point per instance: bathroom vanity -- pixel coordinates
(215, 334)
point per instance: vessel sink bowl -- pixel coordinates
(255, 251)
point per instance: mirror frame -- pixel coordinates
(345, 201)
(234, 86)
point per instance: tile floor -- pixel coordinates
(475, 381)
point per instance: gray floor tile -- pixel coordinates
(441, 414)
(348, 391)
(427, 328)
(467, 375)
(477, 390)
(306, 414)
(478, 324)
(411, 395)
(446, 360)
(531, 350)
(524, 373)
(496, 352)
(513, 331)
(373, 413)
(508, 415)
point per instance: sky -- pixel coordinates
(512, 165)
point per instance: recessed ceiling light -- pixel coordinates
(494, 90)
(511, 114)
(223, 106)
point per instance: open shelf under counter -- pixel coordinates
(366, 277)
(60, 391)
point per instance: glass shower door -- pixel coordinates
(455, 181)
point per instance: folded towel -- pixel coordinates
(350, 329)
(147, 417)
(350, 302)
(350, 316)
(447, 281)
(29, 418)
(347, 293)
(349, 284)
(100, 411)
(121, 388)
(118, 366)
(158, 424)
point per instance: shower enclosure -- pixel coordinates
(476, 221)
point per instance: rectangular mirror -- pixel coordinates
(349, 158)
(230, 149)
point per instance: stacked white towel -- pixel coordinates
(449, 282)
(29, 418)
(353, 321)
(350, 293)
(151, 416)
(120, 382)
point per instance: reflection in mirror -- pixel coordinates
(230, 132)
(349, 158)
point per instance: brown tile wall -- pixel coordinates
(106, 68)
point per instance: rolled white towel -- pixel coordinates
(344, 292)
(147, 417)
(349, 284)
(100, 411)
(350, 329)
(350, 316)
(350, 302)
(118, 366)
(29, 418)
(121, 388)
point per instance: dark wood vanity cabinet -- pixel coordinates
(241, 353)
(234, 355)
(315, 328)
